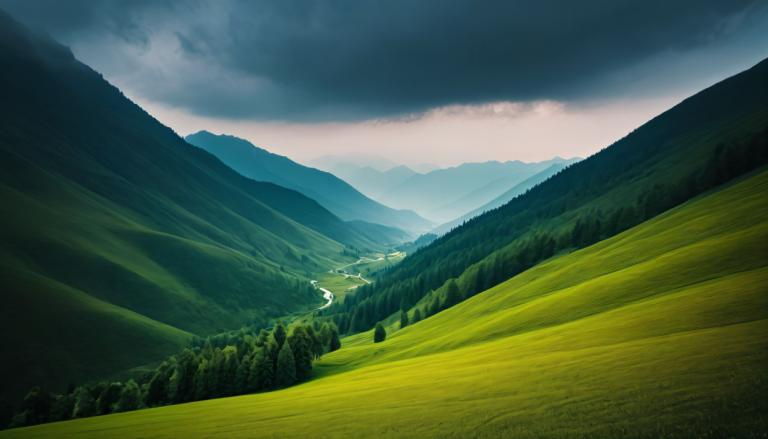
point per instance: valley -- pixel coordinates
(623, 326)
(383, 221)
(346, 279)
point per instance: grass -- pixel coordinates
(338, 284)
(368, 266)
(374, 267)
(657, 332)
(91, 290)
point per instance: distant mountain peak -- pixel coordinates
(324, 187)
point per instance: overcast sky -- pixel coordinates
(414, 81)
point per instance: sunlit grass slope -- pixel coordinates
(657, 332)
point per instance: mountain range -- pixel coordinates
(371, 181)
(446, 194)
(622, 295)
(333, 193)
(504, 198)
(627, 289)
(677, 155)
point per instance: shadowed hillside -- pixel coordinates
(119, 240)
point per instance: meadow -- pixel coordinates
(656, 332)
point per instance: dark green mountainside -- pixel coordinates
(118, 240)
(707, 139)
(333, 193)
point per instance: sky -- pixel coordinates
(439, 82)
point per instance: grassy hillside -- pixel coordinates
(333, 193)
(656, 332)
(708, 138)
(134, 237)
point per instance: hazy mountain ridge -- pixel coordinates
(333, 193)
(444, 194)
(374, 182)
(507, 196)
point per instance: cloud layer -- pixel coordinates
(355, 60)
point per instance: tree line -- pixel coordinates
(440, 285)
(228, 364)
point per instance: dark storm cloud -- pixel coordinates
(360, 59)
(70, 19)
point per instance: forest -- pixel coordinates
(227, 364)
(437, 287)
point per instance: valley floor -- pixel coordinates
(657, 332)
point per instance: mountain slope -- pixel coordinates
(504, 198)
(442, 195)
(478, 199)
(615, 340)
(705, 140)
(135, 238)
(331, 192)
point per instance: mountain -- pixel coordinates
(706, 140)
(516, 190)
(332, 162)
(423, 168)
(665, 321)
(496, 193)
(388, 237)
(119, 241)
(444, 194)
(331, 192)
(371, 181)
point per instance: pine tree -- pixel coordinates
(241, 377)
(434, 306)
(379, 334)
(325, 336)
(301, 345)
(130, 397)
(335, 343)
(253, 382)
(318, 347)
(403, 319)
(279, 335)
(157, 390)
(203, 380)
(85, 403)
(180, 384)
(228, 371)
(109, 396)
(267, 367)
(416, 315)
(37, 406)
(62, 407)
(285, 374)
(452, 294)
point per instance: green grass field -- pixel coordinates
(339, 285)
(657, 332)
(368, 266)
(375, 267)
